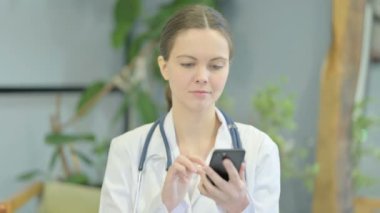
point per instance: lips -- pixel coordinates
(200, 92)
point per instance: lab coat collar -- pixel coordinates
(223, 138)
(157, 148)
(223, 141)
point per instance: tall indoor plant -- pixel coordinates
(134, 82)
(275, 116)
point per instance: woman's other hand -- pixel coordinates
(231, 195)
(178, 180)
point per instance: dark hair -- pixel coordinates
(191, 17)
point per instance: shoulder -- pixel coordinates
(130, 140)
(262, 153)
(256, 139)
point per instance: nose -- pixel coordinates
(201, 76)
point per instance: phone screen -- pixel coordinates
(235, 155)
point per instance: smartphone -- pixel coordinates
(235, 155)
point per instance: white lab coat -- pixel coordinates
(121, 177)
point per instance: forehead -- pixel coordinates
(200, 43)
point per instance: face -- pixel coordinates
(197, 68)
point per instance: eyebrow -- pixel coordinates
(192, 57)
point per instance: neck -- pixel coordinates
(195, 131)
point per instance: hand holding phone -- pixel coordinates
(235, 155)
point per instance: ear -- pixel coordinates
(163, 67)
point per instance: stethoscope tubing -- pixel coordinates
(160, 122)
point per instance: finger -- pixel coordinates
(201, 171)
(233, 174)
(184, 161)
(184, 178)
(179, 170)
(242, 171)
(215, 177)
(211, 190)
(197, 160)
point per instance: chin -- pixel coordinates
(195, 105)
(200, 107)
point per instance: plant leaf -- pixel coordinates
(53, 159)
(29, 175)
(78, 178)
(145, 106)
(136, 45)
(126, 12)
(361, 180)
(83, 157)
(166, 10)
(157, 21)
(91, 92)
(60, 139)
(102, 147)
(123, 108)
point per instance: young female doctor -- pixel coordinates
(196, 51)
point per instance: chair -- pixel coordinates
(56, 197)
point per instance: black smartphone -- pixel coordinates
(235, 155)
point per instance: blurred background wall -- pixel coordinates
(68, 43)
(50, 43)
(369, 165)
(276, 39)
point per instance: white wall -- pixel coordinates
(56, 42)
(50, 43)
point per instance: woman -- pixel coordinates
(196, 49)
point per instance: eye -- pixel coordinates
(216, 66)
(187, 65)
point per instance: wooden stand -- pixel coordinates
(20, 199)
(333, 188)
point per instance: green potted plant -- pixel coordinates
(275, 116)
(133, 81)
(362, 123)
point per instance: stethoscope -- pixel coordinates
(236, 143)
